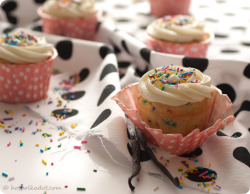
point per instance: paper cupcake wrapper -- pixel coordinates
(160, 8)
(25, 82)
(82, 28)
(196, 49)
(220, 115)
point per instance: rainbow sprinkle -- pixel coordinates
(21, 39)
(172, 75)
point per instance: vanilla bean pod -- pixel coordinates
(135, 144)
(175, 181)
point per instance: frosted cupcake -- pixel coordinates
(175, 108)
(160, 8)
(25, 67)
(178, 34)
(72, 18)
(175, 99)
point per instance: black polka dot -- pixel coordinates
(9, 29)
(247, 71)
(105, 93)
(238, 28)
(143, 154)
(220, 35)
(140, 73)
(242, 154)
(8, 7)
(104, 51)
(123, 64)
(121, 75)
(229, 14)
(211, 20)
(102, 117)
(245, 106)
(122, 20)
(37, 28)
(144, 14)
(73, 95)
(39, 1)
(145, 54)
(84, 73)
(249, 129)
(227, 89)
(109, 68)
(124, 45)
(237, 134)
(245, 43)
(195, 153)
(65, 49)
(220, 133)
(229, 51)
(198, 63)
(196, 176)
(98, 26)
(65, 112)
(116, 48)
(143, 27)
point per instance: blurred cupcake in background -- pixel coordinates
(72, 18)
(25, 67)
(160, 8)
(179, 34)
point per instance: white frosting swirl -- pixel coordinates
(175, 86)
(177, 28)
(24, 48)
(69, 8)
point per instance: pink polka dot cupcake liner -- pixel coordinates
(82, 28)
(195, 49)
(160, 8)
(23, 83)
(220, 115)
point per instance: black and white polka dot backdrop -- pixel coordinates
(120, 58)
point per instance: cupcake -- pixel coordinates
(72, 18)
(178, 34)
(160, 8)
(175, 108)
(175, 99)
(25, 67)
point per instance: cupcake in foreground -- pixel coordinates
(175, 108)
(72, 18)
(26, 65)
(175, 99)
(178, 34)
(160, 8)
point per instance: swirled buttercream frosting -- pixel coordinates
(24, 48)
(69, 8)
(177, 28)
(175, 86)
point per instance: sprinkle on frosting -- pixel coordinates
(178, 20)
(172, 75)
(21, 39)
(175, 85)
(178, 28)
(24, 48)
